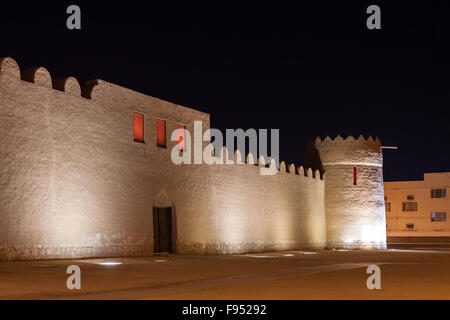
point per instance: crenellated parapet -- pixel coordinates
(360, 151)
(282, 169)
(300, 170)
(42, 77)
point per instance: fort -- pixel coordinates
(87, 172)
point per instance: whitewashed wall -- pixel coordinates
(73, 183)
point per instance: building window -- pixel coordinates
(138, 127)
(409, 206)
(439, 193)
(410, 226)
(410, 197)
(181, 136)
(161, 133)
(354, 176)
(385, 198)
(388, 207)
(438, 216)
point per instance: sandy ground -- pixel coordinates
(412, 273)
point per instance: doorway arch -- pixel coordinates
(163, 224)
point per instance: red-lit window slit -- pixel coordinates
(138, 127)
(161, 133)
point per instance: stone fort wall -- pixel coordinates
(74, 184)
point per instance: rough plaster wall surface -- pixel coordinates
(73, 183)
(25, 196)
(255, 213)
(355, 214)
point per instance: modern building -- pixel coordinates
(88, 172)
(418, 208)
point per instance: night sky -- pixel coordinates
(313, 69)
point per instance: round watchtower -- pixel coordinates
(354, 197)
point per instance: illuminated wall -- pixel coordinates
(252, 213)
(74, 183)
(355, 216)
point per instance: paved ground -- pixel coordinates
(418, 272)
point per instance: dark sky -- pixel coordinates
(313, 69)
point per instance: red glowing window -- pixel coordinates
(161, 133)
(138, 127)
(354, 176)
(181, 136)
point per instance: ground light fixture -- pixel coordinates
(110, 263)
